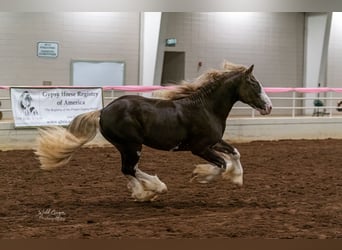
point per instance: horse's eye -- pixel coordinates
(255, 84)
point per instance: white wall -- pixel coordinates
(81, 36)
(315, 54)
(315, 30)
(149, 46)
(272, 41)
(335, 52)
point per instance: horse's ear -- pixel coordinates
(250, 69)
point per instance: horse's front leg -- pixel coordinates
(204, 173)
(144, 187)
(235, 174)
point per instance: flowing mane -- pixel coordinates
(187, 88)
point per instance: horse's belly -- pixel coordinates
(165, 142)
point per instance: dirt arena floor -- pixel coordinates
(292, 189)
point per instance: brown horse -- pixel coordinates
(192, 117)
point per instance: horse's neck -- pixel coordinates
(221, 99)
(218, 98)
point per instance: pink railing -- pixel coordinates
(303, 90)
(129, 88)
(138, 88)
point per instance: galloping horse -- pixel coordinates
(190, 117)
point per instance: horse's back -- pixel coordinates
(153, 122)
(120, 118)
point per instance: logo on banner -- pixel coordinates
(27, 104)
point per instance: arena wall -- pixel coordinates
(280, 128)
(80, 35)
(274, 42)
(237, 130)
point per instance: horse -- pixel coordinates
(26, 104)
(189, 117)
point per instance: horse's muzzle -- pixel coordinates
(266, 110)
(267, 106)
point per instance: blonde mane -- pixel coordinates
(187, 88)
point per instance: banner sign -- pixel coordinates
(52, 106)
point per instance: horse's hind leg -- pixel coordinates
(144, 187)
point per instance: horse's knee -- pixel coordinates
(129, 161)
(128, 170)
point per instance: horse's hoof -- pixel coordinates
(204, 173)
(162, 190)
(147, 200)
(238, 180)
(157, 186)
(202, 179)
(234, 178)
(146, 196)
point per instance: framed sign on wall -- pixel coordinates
(47, 49)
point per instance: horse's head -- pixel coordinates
(26, 99)
(252, 93)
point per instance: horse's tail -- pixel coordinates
(56, 145)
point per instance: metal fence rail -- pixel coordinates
(289, 102)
